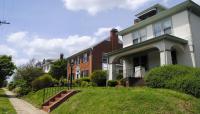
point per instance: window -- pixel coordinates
(163, 27)
(85, 57)
(143, 35)
(104, 59)
(84, 73)
(167, 26)
(139, 36)
(157, 29)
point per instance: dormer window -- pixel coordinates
(139, 36)
(163, 27)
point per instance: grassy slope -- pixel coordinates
(129, 101)
(37, 98)
(5, 105)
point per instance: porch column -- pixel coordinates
(165, 57)
(112, 71)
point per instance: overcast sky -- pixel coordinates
(45, 28)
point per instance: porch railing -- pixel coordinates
(137, 72)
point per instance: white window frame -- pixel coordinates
(161, 23)
(139, 36)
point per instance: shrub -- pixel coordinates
(112, 83)
(11, 86)
(189, 84)
(119, 77)
(180, 78)
(99, 77)
(87, 79)
(43, 81)
(22, 87)
(156, 77)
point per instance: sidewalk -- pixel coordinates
(21, 106)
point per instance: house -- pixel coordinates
(93, 58)
(46, 63)
(160, 36)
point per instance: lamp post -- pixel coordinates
(71, 64)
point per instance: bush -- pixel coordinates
(22, 87)
(87, 79)
(112, 83)
(119, 77)
(41, 82)
(99, 77)
(156, 77)
(11, 86)
(187, 83)
(180, 78)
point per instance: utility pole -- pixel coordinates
(4, 22)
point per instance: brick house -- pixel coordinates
(93, 58)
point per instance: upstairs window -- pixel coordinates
(163, 27)
(139, 36)
(104, 59)
(85, 58)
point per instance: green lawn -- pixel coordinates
(36, 98)
(129, 101)
(125, 101)
(5, 105)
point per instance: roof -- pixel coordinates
(87, 49)
(156, 39)
(188, 4)
(157, 6)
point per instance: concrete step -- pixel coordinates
(57, 100)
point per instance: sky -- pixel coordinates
(45, 28)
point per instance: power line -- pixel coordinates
(3, 14)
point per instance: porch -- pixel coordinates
(140, 58)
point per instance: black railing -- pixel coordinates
(51, 91)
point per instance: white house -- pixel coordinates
(160, 36)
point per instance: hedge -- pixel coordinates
(176, 77)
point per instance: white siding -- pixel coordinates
(150, 32)
(181, 27)
(195, 26)
(127, 40)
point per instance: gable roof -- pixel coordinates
(87, 49)
(187, 5)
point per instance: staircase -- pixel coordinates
(58, 99)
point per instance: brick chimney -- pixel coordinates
(61, 56)
(114, 39)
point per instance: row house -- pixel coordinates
(93, 58)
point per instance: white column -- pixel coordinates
(112, 72)
(165, 57)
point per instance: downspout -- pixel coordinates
(191, 46)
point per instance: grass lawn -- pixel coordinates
(5, 105)
(125, 101)
(129, 101)
(36, 98)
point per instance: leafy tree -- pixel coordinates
(28, 72)
(59, 69)
(24, 75)
(7, 68)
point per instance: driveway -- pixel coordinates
(21, 106)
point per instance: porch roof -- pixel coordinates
(144, 43)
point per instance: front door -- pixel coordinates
(140, 61)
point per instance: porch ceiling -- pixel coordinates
(150, 41)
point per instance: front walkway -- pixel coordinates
(21, 106)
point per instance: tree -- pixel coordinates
(7, 68)
(24, 75)
(59, 69)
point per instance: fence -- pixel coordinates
(52, 91)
